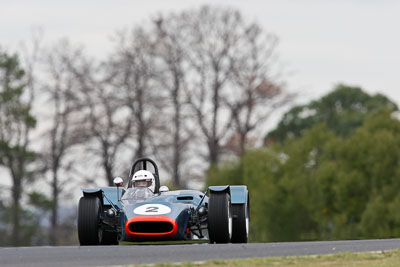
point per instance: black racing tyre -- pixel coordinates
(219, 218)
(90, 231)
(240, 223)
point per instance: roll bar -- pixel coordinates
(144, 162)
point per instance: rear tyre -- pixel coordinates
(240, 223)
(90, 231)
(219, 218)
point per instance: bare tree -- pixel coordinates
(229, 66)
(212, 34)
(107, 122)
(135, 72)
(64, 131)
(230, 87)
(255, 92)
(171, 63)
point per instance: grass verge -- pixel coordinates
(384, 258)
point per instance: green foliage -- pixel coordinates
(322, 186)
(12, 87)
(15, 112)
(343, 110)
(29, 227)
(16, 121)
(227, 174)
(40, 201)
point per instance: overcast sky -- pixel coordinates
(322, 43)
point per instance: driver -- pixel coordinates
(143, 179)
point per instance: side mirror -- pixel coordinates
(118, 182)
(164, 189)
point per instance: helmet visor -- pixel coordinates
(142, 183)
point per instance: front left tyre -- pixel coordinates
(219, 217)
(90, 231)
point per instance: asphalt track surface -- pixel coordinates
(147, 254)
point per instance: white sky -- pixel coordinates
(322, 43)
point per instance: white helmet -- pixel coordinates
(144, 178)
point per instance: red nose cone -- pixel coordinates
(151, 226)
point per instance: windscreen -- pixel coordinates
(134, 195)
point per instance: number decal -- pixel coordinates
(152, 209)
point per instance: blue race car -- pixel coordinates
(144, 211)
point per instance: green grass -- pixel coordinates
(385, 258)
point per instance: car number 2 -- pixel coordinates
(152, 209)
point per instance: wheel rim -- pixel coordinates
(247, 227)
(229, 220)
(247, 223)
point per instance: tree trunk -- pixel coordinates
(213, 151)
(213, 143)
(140, 141)
(109, 173)
(16, 197)
(54, 210)
(177, 140)
(242, 144)
(141, 126)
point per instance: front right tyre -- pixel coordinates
(90, 231)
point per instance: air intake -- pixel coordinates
(185, 198)
(150, 227)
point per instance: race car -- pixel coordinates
(146, 211)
